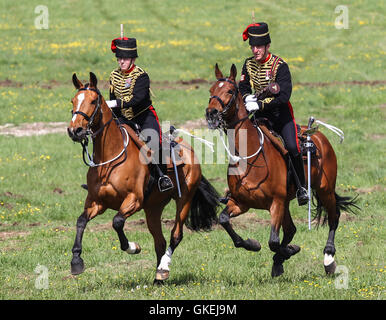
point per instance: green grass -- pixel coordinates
(40, 177)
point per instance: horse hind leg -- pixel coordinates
(153, 220)
(284, 250)
(163, 267)
(328, 201)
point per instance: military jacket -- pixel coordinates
(132, 90)
(256, 76)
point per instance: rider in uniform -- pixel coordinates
(130, 99)
(260, 70)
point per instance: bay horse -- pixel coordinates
(118, 179)
(263, 183)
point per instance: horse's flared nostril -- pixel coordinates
(78, 131)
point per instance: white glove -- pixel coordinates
(252, 105)
(111, 103)
(250, 98)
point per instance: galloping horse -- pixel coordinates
(118, 179)
(263, 183)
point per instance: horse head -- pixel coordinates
(86, 104)
(224, 94)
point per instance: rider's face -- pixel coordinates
(124, 63)
(260, 52)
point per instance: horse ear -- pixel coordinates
(76, 81)
(217, 72)
(93, 80)
(233, 73)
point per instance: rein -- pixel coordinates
(90, 160)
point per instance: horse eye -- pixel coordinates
(94, 101)
(230, 92)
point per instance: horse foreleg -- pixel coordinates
(224, 219)
(129, 206)
(77, 264)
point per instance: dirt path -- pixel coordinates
(41, 128)
(33, 129)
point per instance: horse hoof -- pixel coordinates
(330, 269)
(329, 264)
(161, 275)
(293, 249)
(77, 267)
(134, 248)
(158, 282)
(277, 270)
(252, 245)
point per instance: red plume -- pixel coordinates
(245, 33)
(113, 46)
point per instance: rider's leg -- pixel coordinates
(151, 130)
(289, 135)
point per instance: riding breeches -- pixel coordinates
(283, 122)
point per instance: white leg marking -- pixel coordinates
(166, 260)
(132, 248)
(328, 259)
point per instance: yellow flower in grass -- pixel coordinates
(220, 47)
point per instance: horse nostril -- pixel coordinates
(78, 131)
(211, 113)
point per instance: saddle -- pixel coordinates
(165, 160)
(266, 126)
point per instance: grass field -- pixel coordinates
(338, 77)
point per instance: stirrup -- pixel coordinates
(165, 184)
(302, 196)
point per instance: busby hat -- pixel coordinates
(124, 47)
(257, 33)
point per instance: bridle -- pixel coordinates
(89, 119)
(224, 125)
(225, 107)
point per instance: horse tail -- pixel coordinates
(203, 211)
(348, 204)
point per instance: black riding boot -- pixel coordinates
(300, 179)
